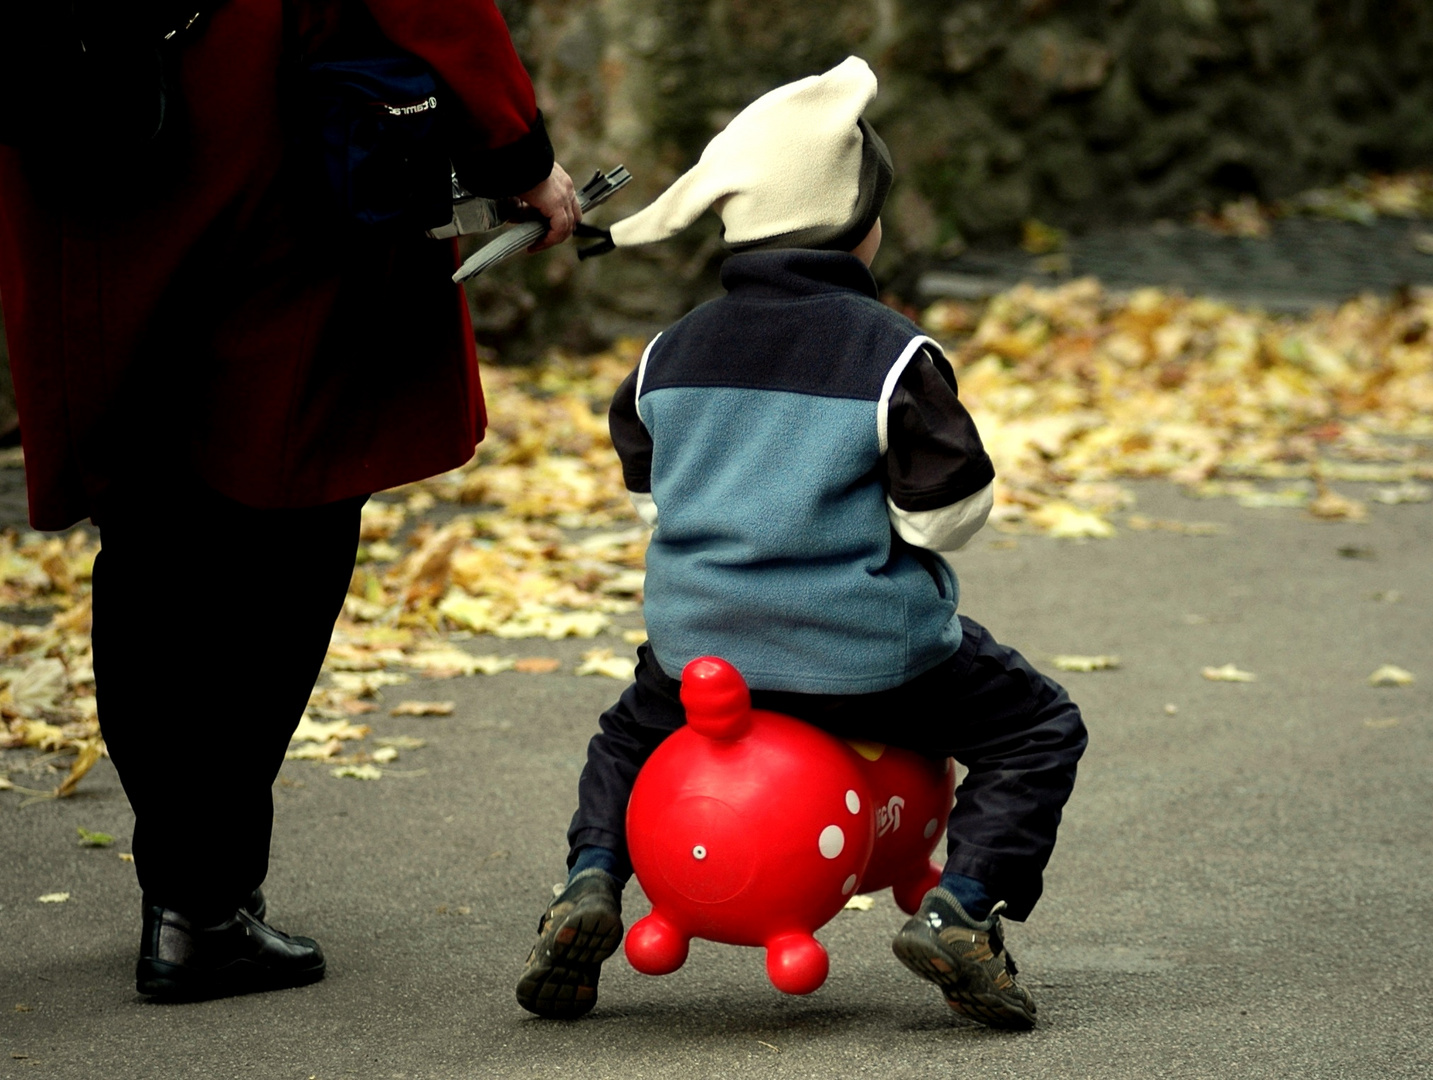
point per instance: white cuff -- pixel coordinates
(645, 506)
(947, 528)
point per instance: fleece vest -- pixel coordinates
(773, 547)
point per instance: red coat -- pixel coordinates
(301, 370)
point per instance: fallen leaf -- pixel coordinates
(39, 686)
(1228, 673)
(603, 662)
(450, 662)
(125, 856)
(93, 839)
(54, 898)
(553, 625)
(358, 772)
(1171, 710)
(1291, 498)
(1140, 523)
(1085, 663)
(860, 903)
(310, 751)
(402, 742)
(537, 665)
(90, 750)
(367, 683)
(1390, 675)
(319, 731)
(423, 708)
(6, 784)
(1406, 492)
(1066, 521)
(385, 755)
(1331, 506)
(634, 637)
(382, 551)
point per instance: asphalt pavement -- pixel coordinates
(1243, 885)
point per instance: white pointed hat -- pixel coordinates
(798, 167)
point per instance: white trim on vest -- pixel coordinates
(642, 374)
(889, 387)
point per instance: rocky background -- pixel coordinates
(1074, 112)
(1077, 113)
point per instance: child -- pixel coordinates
(802, 455)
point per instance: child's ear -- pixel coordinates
(867, 248)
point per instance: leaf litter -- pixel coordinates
(1076, 389)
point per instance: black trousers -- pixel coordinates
(1016, 731)
(211, 620)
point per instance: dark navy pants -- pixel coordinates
(1016, 731)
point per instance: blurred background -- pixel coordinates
(1086, 117)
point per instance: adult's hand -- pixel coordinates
(555, 199)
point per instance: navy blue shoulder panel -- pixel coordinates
(837, 344)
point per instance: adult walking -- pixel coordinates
(219, 380)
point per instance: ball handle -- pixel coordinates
(655, 946)
(796, 963)
(716, 698)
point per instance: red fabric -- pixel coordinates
(318, 372)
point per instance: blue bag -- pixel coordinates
(379, 128)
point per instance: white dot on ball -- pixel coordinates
(853, 802)
(832, 841)
(850, 884)
(930, 828)
(699, 852)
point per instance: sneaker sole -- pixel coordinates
(561, 983)
(967, 987)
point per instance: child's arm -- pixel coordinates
(634, 446)
(940, 481)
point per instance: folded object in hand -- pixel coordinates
(596, 191)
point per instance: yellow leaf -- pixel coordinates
(90, 750)
(365, 683)
(54, 898)
(540, 622)
(860, 903)
(537, 665)
(450, 661)
(1228, 673)
(603, 662)
(423, 708)
(402, 742)
(1390, 675)
(358, 772)
(311, 730)
(1085, 663)
(1331, 506)
(311, 751)
(39, 686)
(385, 754)
(1068, 522)
(469, 612)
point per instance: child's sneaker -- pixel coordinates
(581, 928)
(967, 960)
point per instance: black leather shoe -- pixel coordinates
(241, 955)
